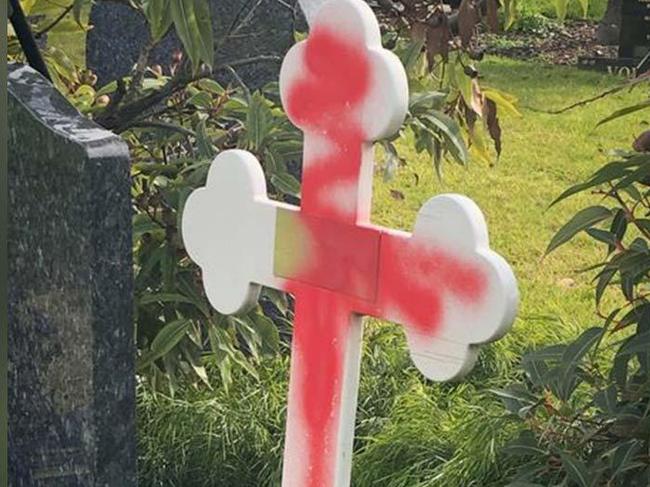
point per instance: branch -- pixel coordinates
(27, 41)
(162, 125)
(120, 117)
(639, 79)
(54, 23)
(140, 69)
(251, 60)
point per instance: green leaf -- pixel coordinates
(515, 397)
(107, 89)
(623, 457)
(77, 10)
(189, 286)
(639, 174)
(618, 372)
(604, 278)
(606, 400)
(412, 53)
(576, 470)
(561, 9)
(585, 218)
(142, 224)
(286, 183)
(643, 224)
(201, 100)
(637, 343)
(502, 101)
(268, 333)
(258, 122)
(192, 354)
(619, 226)
(148, 262)
(194, 28)
(211, 85)
(605, 174)
(576, 350)
(426, 100)
(166, 339)
(452, 133)
(602, 236)
(159, 16)
(536, 370)
(511, 11)
(584, 4)
(525, 445)
(625, 111)
(553, 353)
(206, 150)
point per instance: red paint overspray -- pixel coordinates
(326, 102)
(415, 280)
(320, 329)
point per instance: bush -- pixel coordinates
(584, 406)
(176, 118)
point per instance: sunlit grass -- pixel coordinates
(547, 7)
(411, 432)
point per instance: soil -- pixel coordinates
(551, 42)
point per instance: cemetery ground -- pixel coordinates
(411, 432)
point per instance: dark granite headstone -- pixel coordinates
(71, 351)
(633, 40)
(242, 29)
(635, 29)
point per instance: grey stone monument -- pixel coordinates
(242, 29)
(626, 24)
(71, 351)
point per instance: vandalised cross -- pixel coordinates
(442, 283)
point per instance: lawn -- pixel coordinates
(547, 7)
(411, 432)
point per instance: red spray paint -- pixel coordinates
(326, 101)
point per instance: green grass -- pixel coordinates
(411, 432)
(547, 8)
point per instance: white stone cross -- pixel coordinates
(442, 283)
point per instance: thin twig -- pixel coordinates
(252, 60)
(640, 79)
(54, 23)
(121, 116)
(140, 70)
(162, 125)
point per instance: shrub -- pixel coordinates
(176, 118)
(584, 406)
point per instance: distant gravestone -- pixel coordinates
(242, 29)
(71, 352)
(633, 39)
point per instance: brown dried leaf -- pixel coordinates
(642, 142)
(492, 17)
(492, 122)
(438, 36)
(419, 31)
(468, 18)
(398, 195)
(470, 116)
